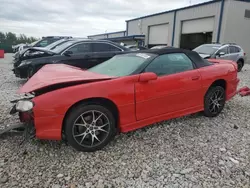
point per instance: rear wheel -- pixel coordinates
(240, 65)
(89, 127)
(214, 101)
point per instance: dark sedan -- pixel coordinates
(81, 53)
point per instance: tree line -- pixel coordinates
(10, 38)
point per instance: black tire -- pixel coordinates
(213, 106)
(240, 65)
(30, 72)
(80, 136)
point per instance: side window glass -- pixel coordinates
(103, 47)
(80, 48)
(236, 49)
(170, 64)
(225, 50)
(231, 49)
(43, 43)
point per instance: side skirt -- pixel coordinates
(149, 121)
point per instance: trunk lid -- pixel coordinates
(223, 61)
(54, 74)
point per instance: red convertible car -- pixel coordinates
(89, 107)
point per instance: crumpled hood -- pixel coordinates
(53, 74)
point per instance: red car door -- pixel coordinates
(177, 88)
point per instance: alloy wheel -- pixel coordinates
(91, 128)
(216, 101)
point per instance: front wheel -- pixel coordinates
(30, 72)
(214, 101)
(89, 127)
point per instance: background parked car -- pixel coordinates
(80, 53)
(228, 51)
(159, 47)
(33, 52)
(135, 47)
(45, 41)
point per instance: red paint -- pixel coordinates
(139, 102)
(245, 91)
(1, 53)
(56, 74)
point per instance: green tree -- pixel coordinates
(8, 39)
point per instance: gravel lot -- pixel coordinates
(193, 151)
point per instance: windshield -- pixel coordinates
(62, 47)
(55, 44)
(121, 65)
(206, 49)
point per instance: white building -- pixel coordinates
(220, 21)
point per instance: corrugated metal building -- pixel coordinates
(220, 21)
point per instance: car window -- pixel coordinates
(80, 48)
(225, 49)
(122, 65)
(234, 49)
(237, 49)
(45, 42)
(170, 64)
(231, 49)
(104, 47)
(206, 49)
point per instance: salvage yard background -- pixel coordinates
(193, 151)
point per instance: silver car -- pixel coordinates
(228, 51)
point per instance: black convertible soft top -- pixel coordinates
(194, 56)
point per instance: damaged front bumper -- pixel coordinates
(26, 117)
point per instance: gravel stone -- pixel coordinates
(4, 178)
(149, 157)
(234, 160)
(59, 176)
(223, 149)
(186, 171)
(67, 178)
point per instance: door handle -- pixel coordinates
(195, 77)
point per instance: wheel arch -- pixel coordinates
(242, 60)
(98, 101)
(219, 82)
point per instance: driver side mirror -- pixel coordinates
(68, 53)
(147, 76)
(221, 54)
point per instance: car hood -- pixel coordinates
(39, 49)
(205, 55)
(56, 74)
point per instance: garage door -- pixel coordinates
(198, 26)
(158, 34)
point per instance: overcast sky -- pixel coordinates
(78, 18)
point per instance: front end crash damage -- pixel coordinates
(24, 108)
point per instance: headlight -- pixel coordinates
(24, 105)
(24, 63)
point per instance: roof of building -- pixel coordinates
(127, 37)
(107, 33)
